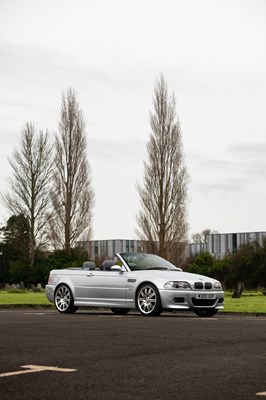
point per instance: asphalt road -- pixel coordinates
(174, 356)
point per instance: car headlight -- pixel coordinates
(217, 286)
(176, 285)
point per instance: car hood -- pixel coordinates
(169, 275)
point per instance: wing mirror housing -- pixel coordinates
(116, 268)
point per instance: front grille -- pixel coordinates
(200, 285)
(208, 285)
(203, 302)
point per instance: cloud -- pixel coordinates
(212, 56)
(250, 149)
(128, 148)
(241, 169)
(29, 64)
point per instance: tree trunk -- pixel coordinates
(238, 291)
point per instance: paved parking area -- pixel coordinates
(97, 355)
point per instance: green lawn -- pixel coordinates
(23, 297)
(253, 302)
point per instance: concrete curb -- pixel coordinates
(11, 306)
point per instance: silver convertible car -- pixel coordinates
(134, 281)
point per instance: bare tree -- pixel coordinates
(30, 184)
(163, 218)
(72, 194)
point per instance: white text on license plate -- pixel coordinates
(206, 296)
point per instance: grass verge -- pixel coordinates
(23, 297)
(249, 302)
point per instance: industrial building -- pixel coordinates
(222, 244)
(100, 249)
(218, 244)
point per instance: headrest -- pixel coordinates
(90, 265)
(107, 264)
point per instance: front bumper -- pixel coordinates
(188, 299)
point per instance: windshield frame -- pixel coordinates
(145, 261)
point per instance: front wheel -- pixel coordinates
(120, 311)
(64, 301)
(206, 312)
(148, 300)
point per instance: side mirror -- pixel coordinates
(116, 268)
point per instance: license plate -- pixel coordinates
(206, 296)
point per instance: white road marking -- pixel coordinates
(35, 313)
(261, 394)
(205, 318)
(113, 316)
(35, 368)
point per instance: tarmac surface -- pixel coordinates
(100, 356)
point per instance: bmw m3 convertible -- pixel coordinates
(141, 281)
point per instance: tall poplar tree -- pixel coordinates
(162, 219)
(72, 194)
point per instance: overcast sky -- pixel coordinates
(212, 54)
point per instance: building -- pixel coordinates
(100, 249)
(222, 244)
(193, 249)
(218, 244)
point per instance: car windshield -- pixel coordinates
(144, 261)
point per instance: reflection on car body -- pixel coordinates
(140, 281)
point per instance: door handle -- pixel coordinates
(90, 274)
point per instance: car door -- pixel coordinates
(77, 280)
(106, 287)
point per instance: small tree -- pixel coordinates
(30, 184)
(202, 264)
(163, 217)
(72, 194)
(245, 267)
(16, 238)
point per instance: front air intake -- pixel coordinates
(203, 302)
(178, 300)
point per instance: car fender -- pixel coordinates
(141, 283)
(68, 283)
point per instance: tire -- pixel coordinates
(64, 300)
(206, 312)
(120, 311)
(148, 300)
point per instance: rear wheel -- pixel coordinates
(148, 300)
(120, 311)
(64, 301)
(206, 312)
